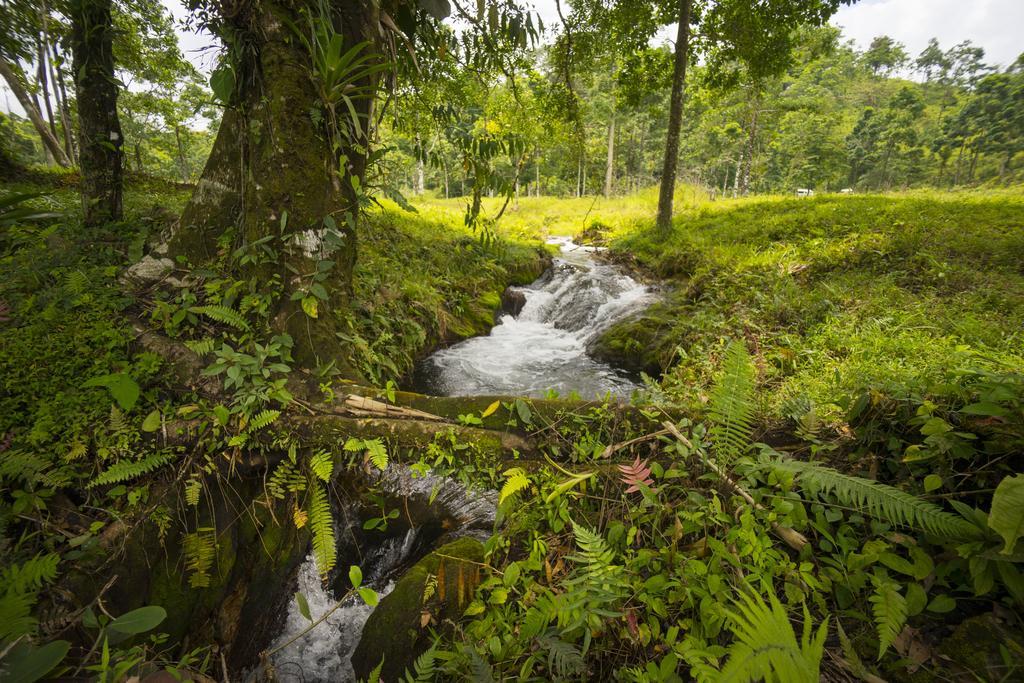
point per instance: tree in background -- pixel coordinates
(885, 55)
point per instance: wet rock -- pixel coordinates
(398, 631)
(149, 269)
(512, 301)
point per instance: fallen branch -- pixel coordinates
(793, 538)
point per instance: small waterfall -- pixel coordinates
(442, 510)
(545, 346)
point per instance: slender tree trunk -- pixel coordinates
(183, 167)
(579, 175)
(44, 83)
(15, 78)
(736, 178)
(609, 168)
(100, 139)
(536, 170)
(444, 166)
(583, 185)
(65, 106)
(138, 157)
(959, 163)
(974, 164)
(675, 120)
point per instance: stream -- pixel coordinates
(538, 346)
(544, 346)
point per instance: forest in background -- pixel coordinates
(836, 118)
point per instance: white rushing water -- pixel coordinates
(324, 654)
(545, 346)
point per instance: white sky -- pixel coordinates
(996, 25)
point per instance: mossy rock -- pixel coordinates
(640, 344)
(974, 647)
(398, 630)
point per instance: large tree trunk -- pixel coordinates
(100, 144)
(273, 171)
(675, 120)
(15, 78)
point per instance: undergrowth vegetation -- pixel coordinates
(824, 482)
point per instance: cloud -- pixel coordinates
(993, 24)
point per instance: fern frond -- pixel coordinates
(564, 659)
(766, 646)
(890, 610)
(262, 419)
(126, 470)
(201, 347)
(199, 549)
(193, 487)
(16, 615)
(321, 525)
(731, 405)
(322, 464)
(26, 466)
(377, 452)
(76, 282)
(516, 480)
(879, 500)
(424, 669)
(30, 575)
(222, 314)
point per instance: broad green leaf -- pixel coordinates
(139, 620)
(1007, 515)
(942, 604)
(122, 387)
(355, 575)
(27, 664)
(310, 305)
(303, 606)
(152, 422)
(369, 596)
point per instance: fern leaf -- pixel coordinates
(16, 615)
(766, 646)
(201, 347)
(377, 453)
(31, 574)
(321, 525)
(199, 548)
(879, 500)
(516, 480)
(264, 418)
(731, 406)
(222, 314)
(322, 464)
(424, 669)
(890, 610)
(564, 660)
(126, 470)
(193, 487)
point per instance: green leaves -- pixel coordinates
(731, 406)
(222, 82)
(1007, 515)
(890, 610)
(139, 620)
(516, 480)
(303, 604)
(27, 664)
(375, 451)
(121, 386)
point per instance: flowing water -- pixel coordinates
(443, 509)
(545, 346)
